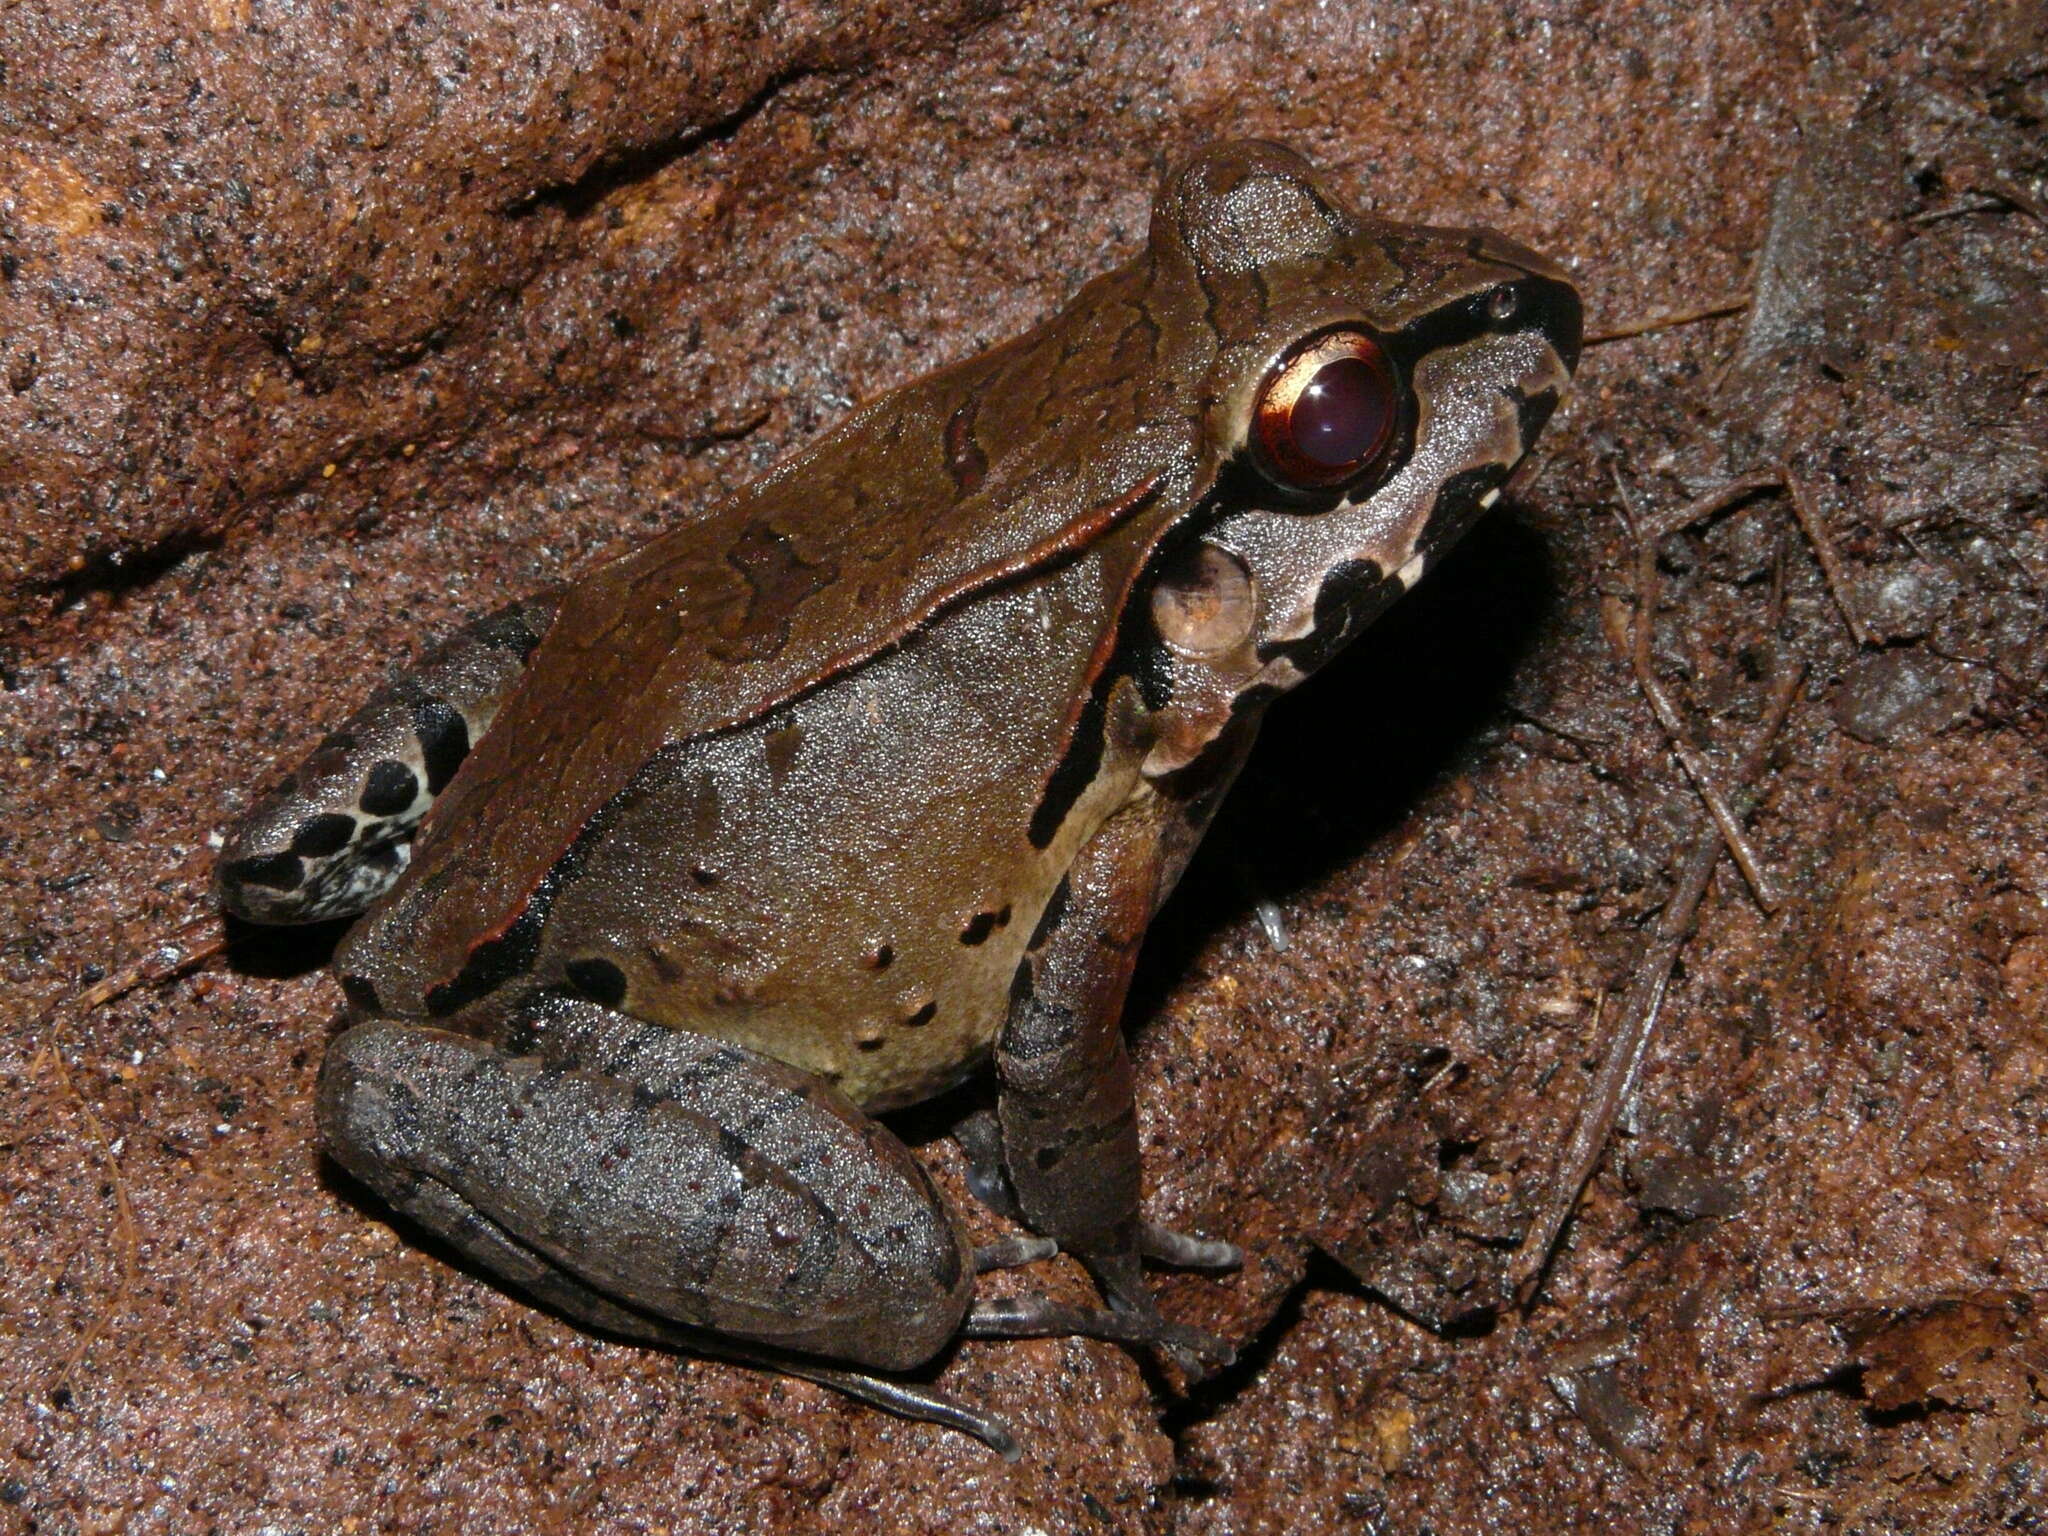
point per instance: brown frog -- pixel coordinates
(673, 878)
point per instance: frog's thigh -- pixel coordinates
(334, 835)
(626, 1169)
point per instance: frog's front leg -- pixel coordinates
(335, 834)
(1066, 1108)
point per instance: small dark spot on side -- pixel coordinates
(444, 740)
(361, 994)
(872, 1043)
(1048, 1157)
(599, 980)
(273, 871)
(780, 747)
(705, 877)
(732, 1146)
(880, 958)
(319, 836)
(923, 1016)
(390, 789)
(978, 928)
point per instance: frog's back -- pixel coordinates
(1062, 449)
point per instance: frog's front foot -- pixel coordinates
(1184, 1250)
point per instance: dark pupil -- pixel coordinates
(1342, 414)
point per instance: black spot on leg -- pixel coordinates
(390, 789)
(732, 1146)
(923, 1016)
(1048, 1158)
(872, 1043)
(273, 871)
(319, 836)
(880, 958)
(361, 994)
(444, 740)
(599, 980)
(978, 928)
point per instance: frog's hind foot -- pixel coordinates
(336, 833)
(1197, 1352)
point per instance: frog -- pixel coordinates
(669, 882)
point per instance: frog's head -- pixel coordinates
(1370, 388)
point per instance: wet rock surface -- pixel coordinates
(322, 330)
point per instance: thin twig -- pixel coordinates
(1700, 508)
(1696, 767)
(1670, 320)
(127, 1238)
(171, 958)
(1823, 551)
(1622, 1056)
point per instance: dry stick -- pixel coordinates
(1823, 551)
(169, 959)
(1623, 1056)
(125, 1229)
(1695, 766)
(1669, 321)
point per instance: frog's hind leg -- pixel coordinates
(336, 833)
(663, 1185)
(448, 1215)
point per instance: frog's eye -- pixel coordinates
(1327, 410)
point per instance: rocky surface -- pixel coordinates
(323, 327)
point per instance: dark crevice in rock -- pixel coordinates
(577, 197)
(1205, 1400)
(126, 568)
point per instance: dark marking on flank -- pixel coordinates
(492, 962)
(978, 928)
(361, 994)
(732, 1146)
(705, 877)
(272, 871)
(871, 1043)
(319, 836)
(444, 740)
(1072, 775)
(923, 1016)
(880, 958)
(390, 789)
(599, 980)
(1055, 910)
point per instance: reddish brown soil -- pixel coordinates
(321, 327)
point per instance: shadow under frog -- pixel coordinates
(672, 878)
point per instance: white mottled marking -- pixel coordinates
(1490, 497)
(1410, 573)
